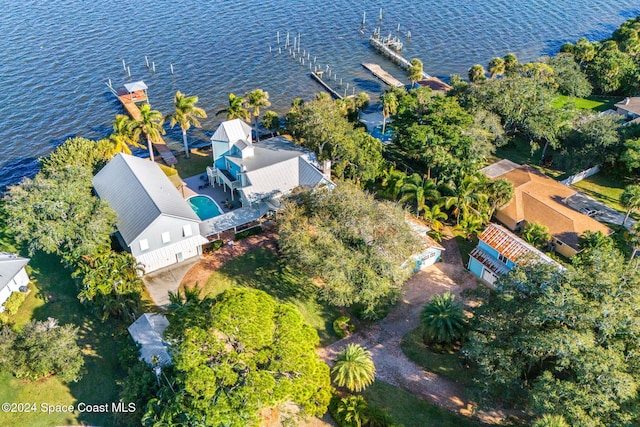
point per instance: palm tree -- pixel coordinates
(499, 193)
(433, 216)
(466, 196)
(353, 411)
(149, 125)
(630, 199)
(389, 101)
(510, 63)
(496, 67)
(419, 189)
(354, 368)
(536, 234)
(393, 181)
(634, 239)
(477, 74)
(122, 136)
(236, 109)
(255, 100)
(470, 225)
(414, 73)
(442, 319)
(186, 115)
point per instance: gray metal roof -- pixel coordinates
(134, 86)
(499, 168)
(148, 331)
(10, 265)
(235, 218)
(139, 192)
(232, 131)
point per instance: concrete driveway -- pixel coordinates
(168, 279)
(603, 213)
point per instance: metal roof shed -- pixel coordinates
(148, 332)
(134, 86)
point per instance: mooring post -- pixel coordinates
(147, 61)
(153, 66)
(278, 37)
(171, 66)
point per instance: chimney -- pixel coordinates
(326, 169)
(626, 101)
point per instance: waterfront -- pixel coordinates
(56, 57)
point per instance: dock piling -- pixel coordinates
(124, 65)
(364, 18)
(171, 66)
(129, 71)
(153, 66)
(147, 61)
(278, 37)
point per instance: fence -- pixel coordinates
(581, 175)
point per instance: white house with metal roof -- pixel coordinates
(13, 275)
(148, 333)
(154, 221)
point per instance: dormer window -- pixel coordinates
(186, 230)
(166, 237)
(503, 258)
(144, 244)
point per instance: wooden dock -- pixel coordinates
(385, 50)
(387, 78)
(326, 85)
(129, 100)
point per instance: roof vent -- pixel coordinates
(626, 101)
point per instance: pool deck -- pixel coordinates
(194, 186)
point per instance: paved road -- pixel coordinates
(582, 203)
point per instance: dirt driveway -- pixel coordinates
(383, 340)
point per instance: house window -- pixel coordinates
(144, 244)
(503, 258)
(559, 243)
(166, 237)
(186, 230)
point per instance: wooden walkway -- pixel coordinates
(129, 102)
(324, 84)
(387, 78)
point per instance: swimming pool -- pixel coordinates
(204, 206)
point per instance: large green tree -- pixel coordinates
(354, 246)
(43, 348)
(569, 77)
(564, 341)
(630, 199)
(613, 72)
(238, 355)
(186, 114)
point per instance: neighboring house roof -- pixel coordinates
(422, 230)
(538, 198)
(148, 332)
(139, 192)
(510, 245)
(499, 168)
(630, 104)
(234, 218)
(10, 265)
(434, 84)
(233, 131)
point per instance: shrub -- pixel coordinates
(249, 232)
(168, 171)
(212, 246)
(442, 320)
(13, 303)
(342, 327)
(4, 318)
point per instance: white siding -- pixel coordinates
(20, 279)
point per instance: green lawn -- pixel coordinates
(409, 411)
(100, 342)
(604, 189)
(195, 165)
(596, 103)
(519, 151)
(446, 364)
(262, 269)
(466, 246)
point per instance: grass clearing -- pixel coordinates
(466, 246)
(410, 411)
(604, 189)
(54, 295)
(519, 151)
(596, 103)
(448, 365)
(262, 269)
(194, 165)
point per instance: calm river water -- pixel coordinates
(55, 56)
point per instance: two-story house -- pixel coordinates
(264, 170)
(154, 221)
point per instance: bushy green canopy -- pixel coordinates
(242, 353)
(354, 245)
